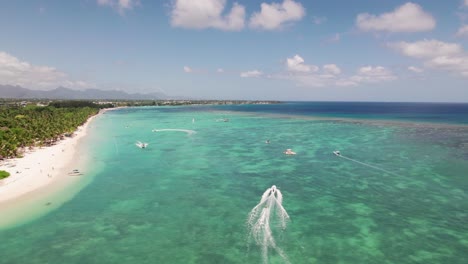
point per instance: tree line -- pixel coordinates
(31, 126)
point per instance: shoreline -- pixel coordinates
(40, 166)
(41, 174)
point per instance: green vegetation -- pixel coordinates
(4, 174)
(22, 127)
(188, 102)
(72, 103)
(41, 122)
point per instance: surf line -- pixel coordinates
(188, 131)
(338, 154)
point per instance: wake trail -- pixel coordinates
(188, 131)
(368, 165)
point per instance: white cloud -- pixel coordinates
(331, 69)
(254, 73)
(275, 15)
(199, 14)
(310, 80)
(436, 54)
(120, 5)
(415, 69)
(187, 69)
(452, 64)
(16, 72)
(409, 17)
(427, 48)
(296, 64)
(463, 31)
(373, 74)
(330, 74)
(220, 70)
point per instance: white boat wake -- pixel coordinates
(188, 131)
(260, 222)
(338, 154)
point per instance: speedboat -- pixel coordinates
(289, 152)
(337, 153)
(141, 144)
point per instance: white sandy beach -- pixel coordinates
(40, 167)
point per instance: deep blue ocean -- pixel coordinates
(397, 194)
(456, 113)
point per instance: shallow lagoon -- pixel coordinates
(185, 198)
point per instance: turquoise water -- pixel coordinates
(185, 198)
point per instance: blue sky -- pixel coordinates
(363, 50)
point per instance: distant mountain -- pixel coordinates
(18, 92)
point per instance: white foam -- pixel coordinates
(188, 131)
(259, 221)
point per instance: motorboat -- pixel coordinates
(141, 144)
(289, 152)
(337, 153)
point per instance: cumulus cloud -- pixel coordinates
(409, 17)
(331, 69)
(415, 69)
(463, 31)
(200, 14)
(330, 74)
(436, 54)
(373, 74)
(120, 5)
(13, 71)
(296, 64)
(451, 64)
(427, 48)
(254, 73)
(276, 15)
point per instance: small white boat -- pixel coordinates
(337, 153)
(141, 144)
(289, 152)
